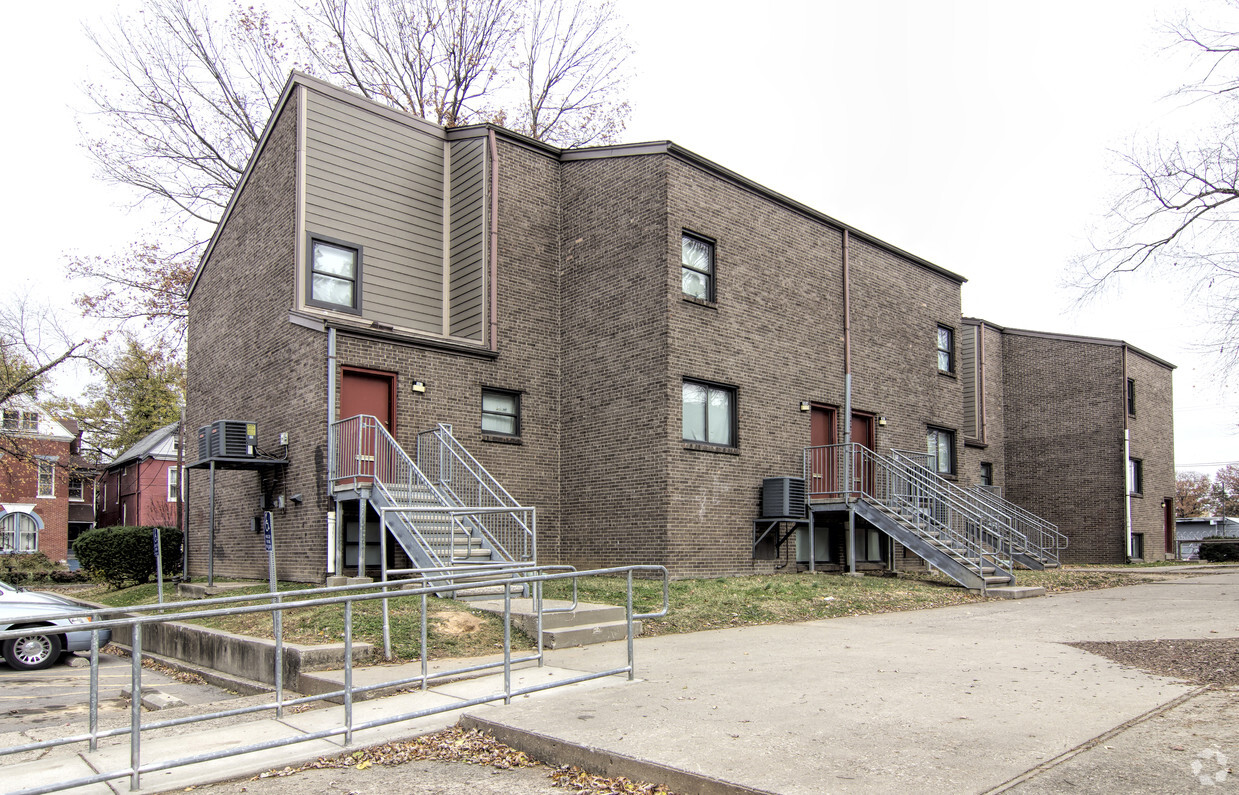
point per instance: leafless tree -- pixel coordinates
(1179, 213)
(186, 96)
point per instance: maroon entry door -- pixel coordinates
(374, 393)
(862, 469)
(823, 463)
(1168, 520)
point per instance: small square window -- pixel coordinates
(709, 414)
(501, 412)
(47, 479)
(941, 446)
(697, 267)
(1135, 476)
(12, 419)
(334, 278)
(946, 349)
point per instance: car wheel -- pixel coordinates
(32, 652)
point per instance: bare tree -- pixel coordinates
(186, 98)
(1178, 214)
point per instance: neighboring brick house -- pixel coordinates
(46, 486)
(630, 338)
(1078, 430)
(141, 485)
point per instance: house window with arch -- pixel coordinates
(19, 531)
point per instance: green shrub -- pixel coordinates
(1215, 552)
(34, 568)
(123, 556)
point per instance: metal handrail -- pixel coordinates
(136, 617)
(1050, 538)
(441, 455)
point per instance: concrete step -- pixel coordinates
(566, 637)
(588, 623)
(1015, 591)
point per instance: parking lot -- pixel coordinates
(60, 694)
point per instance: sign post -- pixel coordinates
(267, 542)
(158, 561)
(277, 615)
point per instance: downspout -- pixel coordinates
(1126, 459)
(338, 551)
(494, 241)
(849, 456)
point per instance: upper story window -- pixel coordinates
(174, 482)
(946, 349)
(47, 479)
(18, 420)
(1135, 475)
(334, 280)
(697, 267)
(941, 446)
(12, 419)
(1131, 396)
(77, 489)
(709, 413)
(501, 412)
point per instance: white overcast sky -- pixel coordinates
(975, 134)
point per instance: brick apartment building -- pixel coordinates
(630, 338)
(46, 486)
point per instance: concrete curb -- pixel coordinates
(606, 763)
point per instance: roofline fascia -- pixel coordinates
(1051, 335)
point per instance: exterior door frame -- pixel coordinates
(824, 465)
(391, 379)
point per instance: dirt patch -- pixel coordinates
(456, 623)
(1210, 661)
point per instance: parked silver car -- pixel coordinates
(19, 609)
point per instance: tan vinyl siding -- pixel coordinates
(968, 374)
(468, 250)
(377, 183)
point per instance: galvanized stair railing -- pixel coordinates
(914, 506)
(1045, 540)
(435, 531)
(464, 481)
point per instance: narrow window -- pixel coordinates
(501, 412)
(77, 489)
(1131, 396)
(173, 484)
(946, 349)
(709, 414)
(335, 275)
(987, 473)
(941, 446)
(47, 479)
(1135, 475)
(697, 267)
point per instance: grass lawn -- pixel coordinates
(455, 630)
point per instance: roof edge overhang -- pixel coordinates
(1049, 335)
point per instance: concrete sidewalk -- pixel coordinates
(971, 698)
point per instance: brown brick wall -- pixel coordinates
(19, 483)
(993, 449)
(248, 362)
(1152, 441)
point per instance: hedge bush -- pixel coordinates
(1217, 552)
(35, 568)
(122, 556)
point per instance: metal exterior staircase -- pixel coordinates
(948, 527)
(1044, 539)
(435, 526)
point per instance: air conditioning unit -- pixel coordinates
(783, 497)
(231, 439)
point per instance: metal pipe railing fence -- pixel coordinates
(432, 582)
(1042, 533)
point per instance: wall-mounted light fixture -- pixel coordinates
(418, 386)
(804, 405)
(882, 421)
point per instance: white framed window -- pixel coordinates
(941, 446)
(709, 413)
(697, 267)
(77, 489)
(174, 482)
(334, 278)
(1135, 476)
(19, 532)
(501, 412)
(47, 479)
(12, 419)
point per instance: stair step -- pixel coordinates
(565, 637)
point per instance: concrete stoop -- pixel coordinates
(587, 624)
(1015, 591)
